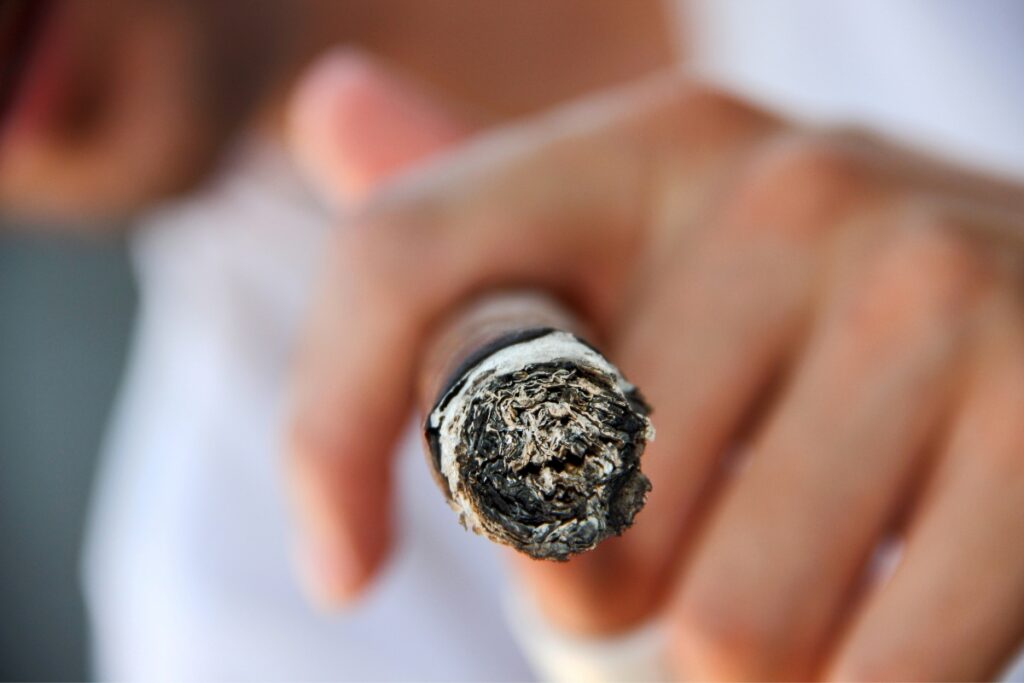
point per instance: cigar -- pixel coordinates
(534, 437)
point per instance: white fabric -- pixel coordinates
(945, 75)
(187, 565)
(559, 656)
(187, 569)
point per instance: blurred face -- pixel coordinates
(106, 105)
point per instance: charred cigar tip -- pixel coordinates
(537, 440)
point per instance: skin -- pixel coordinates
(829, 329)
(147, 95)
(144, 100)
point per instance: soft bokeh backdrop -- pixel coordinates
(66, 308)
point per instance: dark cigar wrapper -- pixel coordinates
(547, 455)
(458, 376)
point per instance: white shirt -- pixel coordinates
(187, 570)
(943, 75)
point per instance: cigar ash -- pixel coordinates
(538, 441)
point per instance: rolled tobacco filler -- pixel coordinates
(534, 436)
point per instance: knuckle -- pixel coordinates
(714, 104)
(937, 266)
(690, 128)
(719, 117)
(796, 185)
(917, 285)
(805, 157)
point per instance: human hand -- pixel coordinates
(830, 333)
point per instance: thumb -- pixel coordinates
(352, 125)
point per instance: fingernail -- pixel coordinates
(338, 65)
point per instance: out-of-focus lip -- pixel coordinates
(26, 62)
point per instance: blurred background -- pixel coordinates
(66, 309)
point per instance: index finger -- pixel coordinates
(562, 203)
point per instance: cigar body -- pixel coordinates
(534, 437)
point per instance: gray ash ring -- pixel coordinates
(537, 440)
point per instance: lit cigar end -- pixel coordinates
(537, 439)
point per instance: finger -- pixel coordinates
(477, 327)
(794, 529)
(952, 609)
(703, 345)
(559, 204)
(355, 124)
